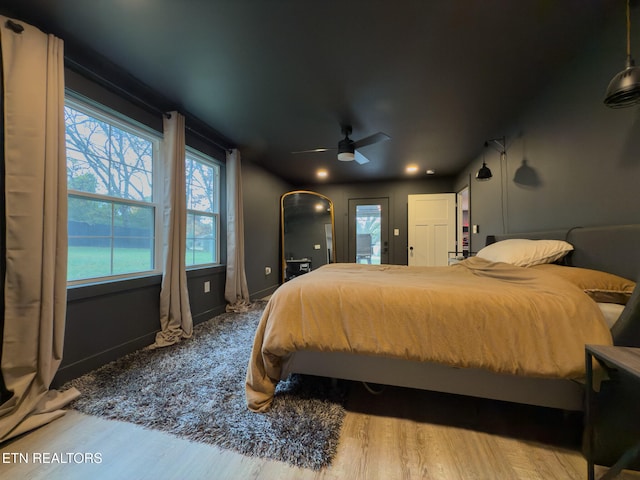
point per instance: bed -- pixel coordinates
(482, 327)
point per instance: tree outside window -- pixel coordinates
(111, 214)
(202, 184)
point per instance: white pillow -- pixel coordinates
(525, 253)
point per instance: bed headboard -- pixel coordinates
(613, 249)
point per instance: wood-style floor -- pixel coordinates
(399, 434)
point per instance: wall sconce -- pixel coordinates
(624, 88)
(499, 144)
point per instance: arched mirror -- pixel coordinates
(307, 236)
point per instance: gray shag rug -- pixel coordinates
(195, 390)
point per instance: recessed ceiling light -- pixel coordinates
(322, 173)
(412, 169)
(431, 171)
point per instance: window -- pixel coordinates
(203, 219)
(112, 214)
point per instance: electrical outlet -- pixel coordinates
(207, 286)
(267, 270)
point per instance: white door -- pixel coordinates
(431, 229)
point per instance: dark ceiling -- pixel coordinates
(438, 76)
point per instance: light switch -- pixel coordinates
(396, 232)
(316, 247)
(476, 229)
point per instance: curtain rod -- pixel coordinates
(78, 67)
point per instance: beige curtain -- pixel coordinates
(236, 291)
(175, 313)
(35, 291)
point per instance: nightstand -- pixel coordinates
(612, 407)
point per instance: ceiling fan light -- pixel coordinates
(346, 156)
(624, 88)
(346, 150)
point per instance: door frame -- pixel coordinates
(463, 204)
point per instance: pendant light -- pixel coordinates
(484, 173)
(499, 144)
(624, 88)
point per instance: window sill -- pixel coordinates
(79, 292)
(90, 290)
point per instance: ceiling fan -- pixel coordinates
(348, 150)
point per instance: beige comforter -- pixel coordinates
(473, 314)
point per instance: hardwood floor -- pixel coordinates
(399, 434)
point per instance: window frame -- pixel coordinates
(217, 166)
(120, 121)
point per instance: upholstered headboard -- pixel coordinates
(614, 249)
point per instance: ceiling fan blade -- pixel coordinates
(375, 138)
(360, 158)
(315, 150)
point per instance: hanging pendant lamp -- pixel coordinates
(624, 88)
(484, 173)
(499, 144)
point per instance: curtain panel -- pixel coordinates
(36, 227)
(236, 291)
(176, 321)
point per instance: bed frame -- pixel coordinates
(613, 249)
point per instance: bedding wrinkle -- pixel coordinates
(475, 314)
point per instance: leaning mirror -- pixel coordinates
(307, 228)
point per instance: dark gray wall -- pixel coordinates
(261, 192)
(582, 158)
(108, 320)
(397, 193)
(261, 196)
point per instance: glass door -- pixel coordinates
(368, 230)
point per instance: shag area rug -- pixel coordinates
(195, 390)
